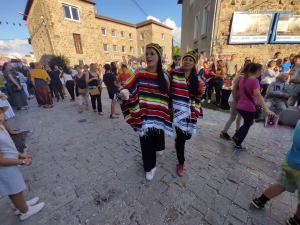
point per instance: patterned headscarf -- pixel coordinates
(192, 54)
(157, 47)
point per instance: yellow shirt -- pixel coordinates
(39, 74)
(127, 72)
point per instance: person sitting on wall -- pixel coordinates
(277, 95)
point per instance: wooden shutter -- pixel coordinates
(77, 43)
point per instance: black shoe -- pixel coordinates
(240, 148)
(217, 103)
(225, 136)
(258, 204)
(112, 117)
(291, 221)
(234, 139)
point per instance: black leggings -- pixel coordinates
(248, 122)
(218, 84)
(57, 89)
(153, 141)
(99, 103)
(70, 88)
(181, 138)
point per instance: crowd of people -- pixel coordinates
(155, 97)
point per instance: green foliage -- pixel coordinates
(59, 60)
(176, 50)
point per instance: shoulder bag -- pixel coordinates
(258, 109)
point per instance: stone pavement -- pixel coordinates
(88, 170)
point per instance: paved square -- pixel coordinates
(90, 172)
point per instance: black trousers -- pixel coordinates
(51, 90)
(70, 88)
(181, 138)
(153, 141)
(248, 122)
(264, 89)
(97, 98)
(218, 84)
(57, 89)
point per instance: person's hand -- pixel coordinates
(285, 95)
(28, 162)
(270, 114)
(19, 87)
(3, 96)
(123, 96)
(24, 156)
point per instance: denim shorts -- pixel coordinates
(289, 178)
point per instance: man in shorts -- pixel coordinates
(288, 179)
(110, 80)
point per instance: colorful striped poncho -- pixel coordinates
(147, 107)
(187, 107)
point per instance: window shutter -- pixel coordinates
(77, 43)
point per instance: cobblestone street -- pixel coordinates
(87, 168)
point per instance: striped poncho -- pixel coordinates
(147, 106)
(187, 107)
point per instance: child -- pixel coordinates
(286, 65)
(11, 180)
(288, 179)
(208, 78)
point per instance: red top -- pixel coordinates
(123, 77)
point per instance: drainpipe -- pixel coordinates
(213, 28)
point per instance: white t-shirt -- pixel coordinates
(74, 72)
(67, 77)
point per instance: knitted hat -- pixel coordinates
(157, 47)
(176, 56)
(192, 54)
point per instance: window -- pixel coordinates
(163, 49)
(71, 12)
(113, 33)
(77, 43)
(80, 62)
(105, 47)
(103, 30)
(122, 34)
(141, 36)
(131, 50)
(163, 36)
(142, 50)
(205, 19)
(115, 48)
(196, 28)
(130, 36)
(123, 49)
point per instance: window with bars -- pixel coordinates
(77, 43)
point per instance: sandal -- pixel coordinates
(101, 113)
(95, 110)
(51, 106)
(46, 106)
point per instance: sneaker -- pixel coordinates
(258, 204)
(225, 136)
(208, 101)
(291, 221)
(160, 152)
(180, 170)
(149, 175)
(29, 203)
(112, 117)
(240, 148)
(203, 100)
(234, 139)
(32, 210)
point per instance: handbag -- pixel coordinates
(82, 91)
(94, 91)
(258, 109)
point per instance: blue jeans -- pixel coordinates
(248, 122)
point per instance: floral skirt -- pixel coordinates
(44, 95)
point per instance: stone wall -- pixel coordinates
(222, 28)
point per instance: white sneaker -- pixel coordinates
(149, 175)
(32, 210)
(160, 152)
(208, 101)
(203, 100)
(29, 203)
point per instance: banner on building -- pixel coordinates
(286, 28)
(251, 27)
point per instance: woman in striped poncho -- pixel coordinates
(186, 92)
(147, 109)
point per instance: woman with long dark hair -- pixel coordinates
(146, 109)
(249, 95)
(175, 64)
(14, 87)
(186, 93)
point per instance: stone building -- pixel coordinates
(206, 27)
(72, 28)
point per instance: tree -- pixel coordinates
(59, 60)
(176, 50)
